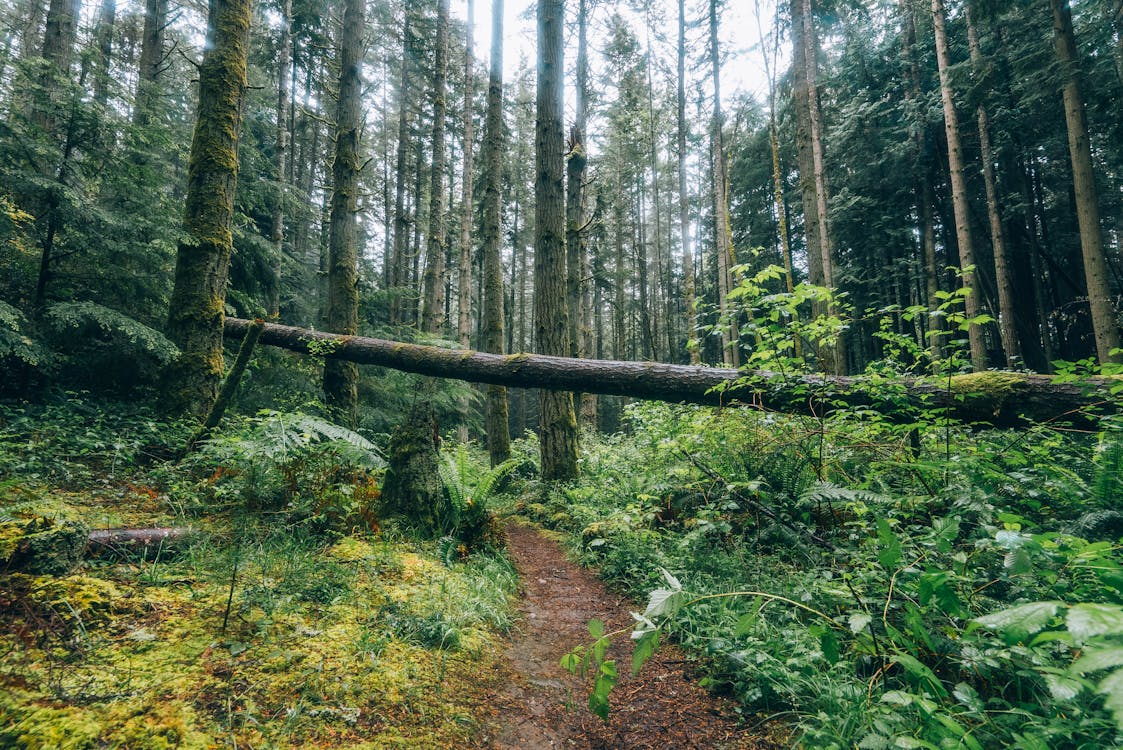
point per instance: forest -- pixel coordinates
(692, 374)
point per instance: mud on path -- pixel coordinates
(541, 706)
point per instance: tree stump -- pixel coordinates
(413, 489)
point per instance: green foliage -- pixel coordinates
(317, 472)
(474, 525)
(873, 636)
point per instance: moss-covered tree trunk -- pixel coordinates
(151, 58)
(464, 271)
(551, 321)
(498, 434)
(341, 378)
(683, 199)
(412, 488)
(203, 257)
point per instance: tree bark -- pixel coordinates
(1002, 271)
(959, 191)
(464, 267)
(723, 243)
(277, 233)
(433, 303)
(800, 95)
(692, 345)
(103, 36)
(341, 379)
(498, 430)
(151, 59)
(203, 256)
(397, 262)
(558, 421)
(1104, 322)
(1001, 399)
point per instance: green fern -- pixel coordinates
(68, 317)
(827, 492)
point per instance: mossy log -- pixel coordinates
(113, 541)
(1001, 399)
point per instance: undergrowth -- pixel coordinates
(295, 616)
(877, 588)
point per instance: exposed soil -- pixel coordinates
(541, 706)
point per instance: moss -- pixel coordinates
(992, 384)
(43, 546)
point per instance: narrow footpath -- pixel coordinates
(541, 706)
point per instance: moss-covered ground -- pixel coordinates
(262, 632)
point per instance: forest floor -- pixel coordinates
(542, 706)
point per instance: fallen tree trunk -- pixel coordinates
(1001, 399)
(106, 541)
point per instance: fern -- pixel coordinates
(274, 435)
(69, 317)
(825, 491)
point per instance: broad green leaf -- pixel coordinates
(858, 621)
(1111, 687)
(596, 628)
(908, 741)
(922, 673)
(890, 553)
(671, 580)
(968, 696)
(1063, 688)
(1088, 620)
(571, 662)
(1095, 660)
(662, 603)
(1023, 619)
(644, 649)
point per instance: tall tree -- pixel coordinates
(433, 302)
(683, 197)
(151, 58)
(800, 96)
(203, 256)
(498, 432)
(723, 242)
(396, 274)
(551, 321)
(104, 27)
(1104, 322)
(341, 378)
(464, 268)
(959, 196)
(277, 233)
(1002, 271)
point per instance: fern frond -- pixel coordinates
(825, 491)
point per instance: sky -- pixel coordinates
(743, 71)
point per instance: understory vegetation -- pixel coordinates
(290, 617)
(877, 585)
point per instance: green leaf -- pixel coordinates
(1111, 687)
(663, 603)
(1095, 660)
(671, 580)
(596, 628)
(645, 648)
(890, 553)
(1063, 688)
(828, 642)
(1088, 620)
(1022, 620)
(968, 696)
(858, 621)
(924, 676)
(571, 662)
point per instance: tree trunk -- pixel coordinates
(498, 430)
(1104, 322)
(584, 312)
(464, 267)
(31, 36)
(723, 244)
(103, 37)
(1001, 399)
(959, 191)
(1002, 270)
(203, 256)
(551, 321)
(433, 303)
(341, 379)
(692, 345)
(277, 234)
(397, 275)
(151, 59)
(800, 95)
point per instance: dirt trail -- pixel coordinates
(542, 706)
